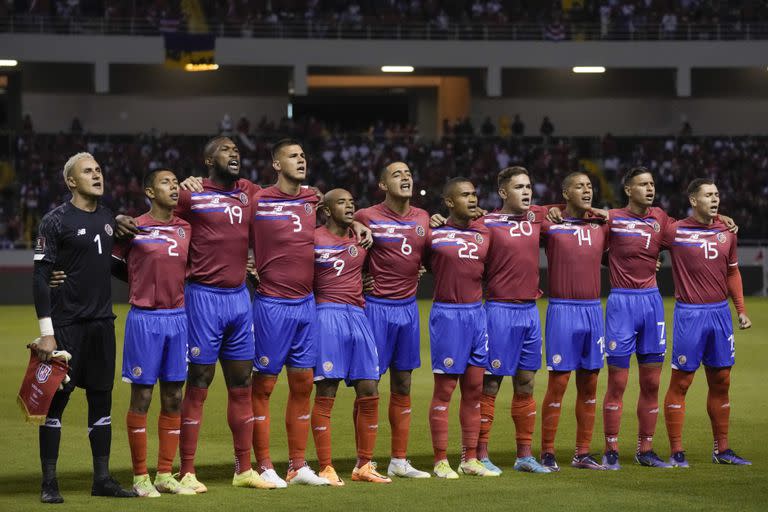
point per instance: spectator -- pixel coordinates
(76, 127)
(518, 127)
(487, 129)
(225, 126)
(669, 25)
(547, 129)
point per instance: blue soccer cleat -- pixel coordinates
(729, 457)
(611, 460)
(530, 465)
(490, 466)
(678, 460)
(586, 461)
(548, 461)
(651, 460)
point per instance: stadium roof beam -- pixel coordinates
(683, 82)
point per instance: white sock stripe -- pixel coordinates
(103, 422)
(52, 423)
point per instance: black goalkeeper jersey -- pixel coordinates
(80, 244)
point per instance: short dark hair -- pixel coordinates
(280, 144)
(149, 176)
(508, 173)
(383, 171)
(451, 183)
(696, 184)
(213, 144)
(635, 171)
(571, 176)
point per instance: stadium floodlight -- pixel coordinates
(588, 69)
(201, 67)
(423, 192)
(8, 63)
(397, 69)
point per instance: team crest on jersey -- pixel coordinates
(478, 238)
(557, 358)
(136, 371)
(108, 229)
(721, 238)
(308, 208)
(420, 230)
(496, 364)
(43, 372)
(656, 226)
(244, 198)
(264, 361)
(593, 225)
(448, 362)
(195, 351)
(327, 366)
(531, 216)
(182, 233)
(612, 345)
(682, 359)
(352, 251)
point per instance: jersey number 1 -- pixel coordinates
(97, 239)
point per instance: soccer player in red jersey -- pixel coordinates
(514, 328)
(400, 237)
(705, 270)
(574, 329)
(217, 304)
(155, 345)
(457, 326)
(345, 345)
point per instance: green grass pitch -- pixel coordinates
(704, 486)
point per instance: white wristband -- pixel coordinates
(46, 326)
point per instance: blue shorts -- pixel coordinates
(345, 346)
(285, 333)
(458, 336)
(155, 346)
(634, 323)
(220, 324)
(395, 326)
(703, 333)
(574, 335)
(514, 337)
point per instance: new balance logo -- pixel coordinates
(654, 411)
(406, 411)
(554, 404)
(80, 231)
(138, 430)
(591, 401)
(726, 406)
(174, 432)
(259, 418)
(320, 429)
(674, 406)
(303, 417)
(440, 408)
(612, 407)
(191, 422)
(531, 414)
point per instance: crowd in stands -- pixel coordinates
(353, 160)
(558, 19)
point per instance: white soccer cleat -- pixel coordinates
(270, 475)
(305, 476)
(403, 469)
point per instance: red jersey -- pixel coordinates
(512, 267)
(284, 239)
(338, 268)
(701, 255)
(220, 220)
(157, 262)
(635, 242)
(457, 259)
(574, 251)
(399, 244)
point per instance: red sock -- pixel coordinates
(137, 440)
(240, 419)
(354, 420)
(400, 423)
(586, 403)
(297, 415)
(551, 407)
(438, 413)
(261, 390)
(719, 405)
(487, 409)
(168, 430)
(191, 418)
(471, 384)
(366, 428)
(321, 429)
(674, 407)
(647, 406)
(613, 406)
(524, 417)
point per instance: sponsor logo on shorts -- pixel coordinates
(327, 366)
(478, 238)
(612, 345)
(530, 215)
(496, 364)
(308, 208)
(195, 351)
(721, 238)
(264, 361)
(557, 358)
(420, 230)
(182, 233)
(43, 373)
(108, 229)
(244, 198)
(656, 227)
(682, 359)
(353, 251)
(448, 362)
(136, 372)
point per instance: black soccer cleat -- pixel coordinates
(109, 488)
(49, 492)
